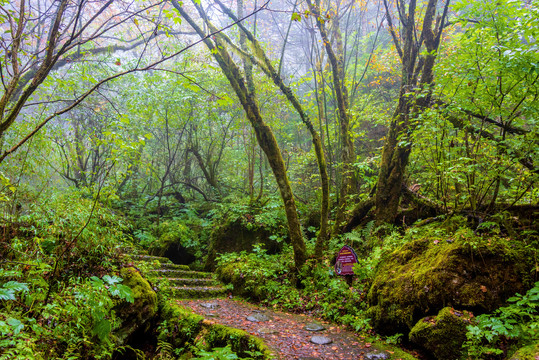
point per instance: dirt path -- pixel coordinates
(285, 333)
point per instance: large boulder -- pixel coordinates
(176, 242)
(462, 271)
(239, 235)
(138, 315)
(442, 335)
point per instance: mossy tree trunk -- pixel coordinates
(263, 132)
(415, 95)
(266, 66)
(248, 69)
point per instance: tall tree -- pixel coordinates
(417, 45)
(45, 36)
(260, 58)
(335, 55)
(218, 47)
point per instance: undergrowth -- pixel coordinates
(58, 290)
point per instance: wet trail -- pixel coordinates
(285, 333)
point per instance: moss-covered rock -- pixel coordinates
(462, 271)
(138, 315)
(173, 237)
(237, 236)
(178, 326)
(530, 352)
(240, 341)
(442, 335)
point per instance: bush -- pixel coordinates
(518, 322)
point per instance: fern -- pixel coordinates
(8, 290)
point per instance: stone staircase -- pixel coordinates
(177, 281)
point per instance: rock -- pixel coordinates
(321, 340)
(376, 356)
(236, 236)
(442, 335)
(530, 352)
(421, 278)
(258, 317)
(211, 306)
(170, 244)
(314, 327)
(141, 312)
(265, 331)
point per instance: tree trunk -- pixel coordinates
(394, 161)
(263, 132)
(341, 96)
(415, 94)
(267, 67)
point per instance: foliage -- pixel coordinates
(257, 273)
(267, 214)
(475, 146)
(8, 290)
(78, 320)
(269, 280)
(166, 157)
(519, 321)
(58, 289)
(224, 353)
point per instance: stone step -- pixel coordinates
(174, 273)
(138, 257)
(197, 292)
(191, 281)
(171, 266)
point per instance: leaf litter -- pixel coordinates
(285, 333)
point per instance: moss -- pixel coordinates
(179, 326)
(430, 273)
(184, 329)
(231, 274)
(144, 308)
(442, 335)
(243, 344)
(171, 244)
(236, 236)
(246, 282)
(530, 352)
(382, 345)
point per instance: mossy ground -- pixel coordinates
(530, 352)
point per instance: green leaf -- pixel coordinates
(7, 294)
(123, 292)
(16, 286)
(102, 329)
(17, 325)
(111, 280)
(296, 17)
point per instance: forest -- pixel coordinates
(177, 179)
